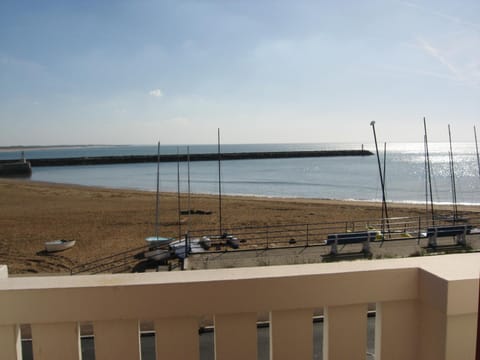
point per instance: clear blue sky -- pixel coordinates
(133, 72)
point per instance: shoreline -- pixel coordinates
(106, 221)
(407, 204)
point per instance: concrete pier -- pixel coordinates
(102, 160)
(15, 169)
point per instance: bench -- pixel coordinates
(363, 237)
(458, 231)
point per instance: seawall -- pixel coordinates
(15, 169)
(102, 160)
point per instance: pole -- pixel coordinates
(157, 200)
(219, 183)
(187, 234)
(477, 355)
(384, 167)
(178, 195)
(189, 191)
(476, 146)
(452, 176)
(384, 203)
(428, 177)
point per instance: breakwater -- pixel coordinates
(130, 159)
(15, 169)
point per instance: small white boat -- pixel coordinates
(59, 245)
(155, 241)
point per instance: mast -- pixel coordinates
(384, 202)
(157, 200)
(384, 167)
(452, 177)
(476, 146)
(219, 183)
(178, 195)
(428, 173)
(188, 189)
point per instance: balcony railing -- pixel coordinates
(426, 308)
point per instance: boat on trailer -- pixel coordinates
(58, 245)
(157, 244)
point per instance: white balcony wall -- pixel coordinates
(427, 308)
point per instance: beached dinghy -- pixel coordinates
(59, 245)
(156, 241)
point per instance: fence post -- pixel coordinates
(307, 234)
(267, 236)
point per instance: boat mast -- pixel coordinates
(157, 200)
(428, 173)
(384, 203)
(476, 146)
(188, 189)
(384, 168)
(178, 195)
(219, 183)
(452, 177)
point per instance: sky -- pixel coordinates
(273, 71)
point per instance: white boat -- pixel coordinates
(58, 245)
(156, 241)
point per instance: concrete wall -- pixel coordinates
(426, 309)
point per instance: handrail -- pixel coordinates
(91, 266)
(281, 236)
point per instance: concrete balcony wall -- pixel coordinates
(426, 309)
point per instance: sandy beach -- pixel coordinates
(107, 221)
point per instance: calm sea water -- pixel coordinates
(343, 178)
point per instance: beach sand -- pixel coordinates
(108, 221)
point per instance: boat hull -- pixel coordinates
(155, 241)
(58, 245)
(157, 254)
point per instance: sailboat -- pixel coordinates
(158, 246)
(230, 240)
(182, 247)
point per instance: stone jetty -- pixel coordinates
(15, 169)
(102, 160)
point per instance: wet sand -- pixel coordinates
(107, 221)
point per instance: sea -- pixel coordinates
(403, 167)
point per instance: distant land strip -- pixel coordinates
(130, 159)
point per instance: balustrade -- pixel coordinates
(426, 308)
